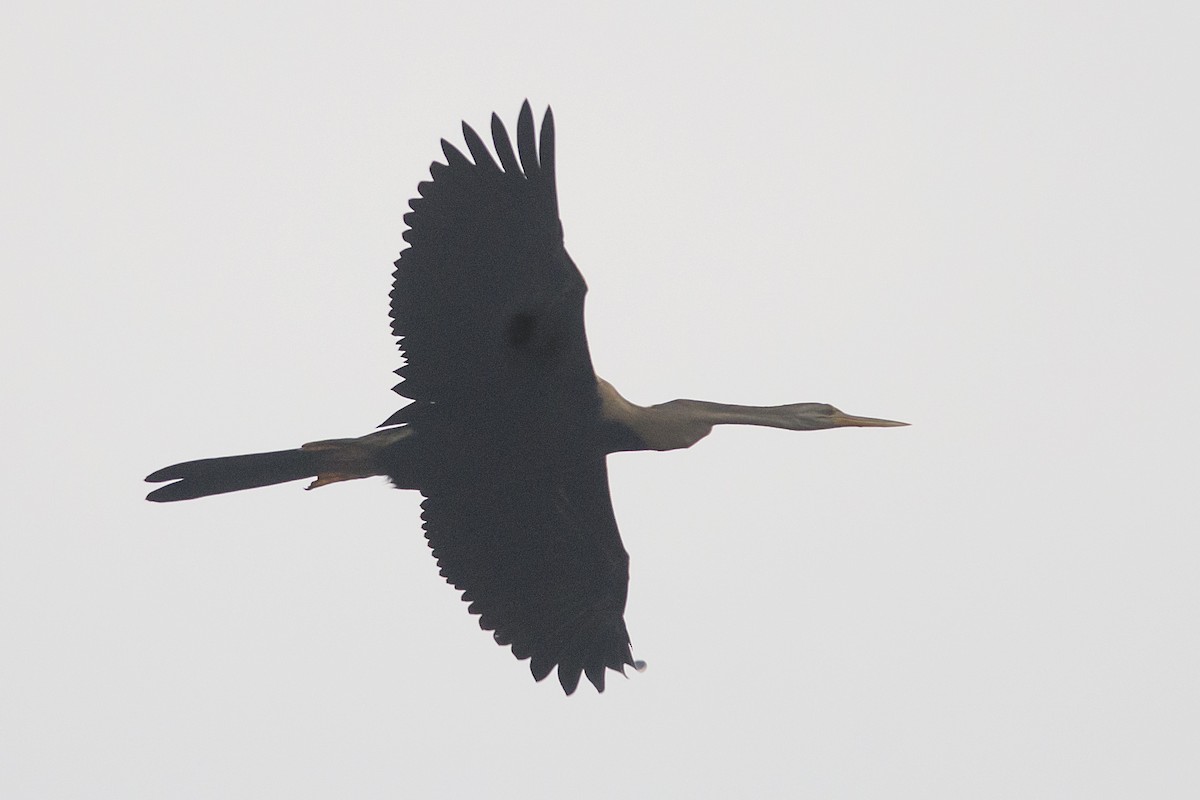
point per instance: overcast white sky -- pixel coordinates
(980, 218)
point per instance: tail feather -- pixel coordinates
(383, 452)
(234, 473)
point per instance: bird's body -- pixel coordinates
(509, 428)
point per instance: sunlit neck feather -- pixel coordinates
(682, 423)
(668, 426)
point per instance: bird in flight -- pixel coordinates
(508, 427)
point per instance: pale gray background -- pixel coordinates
(980, 218)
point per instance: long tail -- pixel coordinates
(233, 473)
(328, 461)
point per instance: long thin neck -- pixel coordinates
(728, 414)
(681, 423)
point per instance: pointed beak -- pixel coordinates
(841, 420)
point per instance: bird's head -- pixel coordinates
(819, 416)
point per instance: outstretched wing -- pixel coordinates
(486, 275)
(488, 307)
(533, 545)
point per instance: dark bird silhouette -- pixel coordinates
(509, 427)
